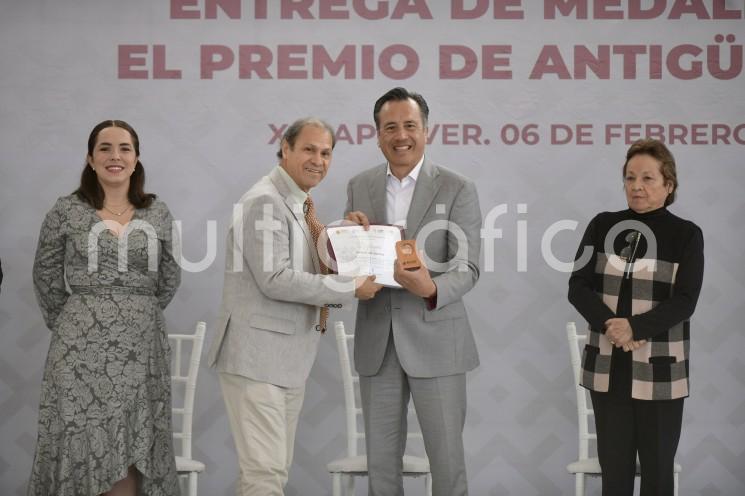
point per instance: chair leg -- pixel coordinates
(428, 484)
(579, 484)
(180, 479)
(192, 484)
(349, 485)
(336, 484)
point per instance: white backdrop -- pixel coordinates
(66, 65)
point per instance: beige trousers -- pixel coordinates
(263, 418)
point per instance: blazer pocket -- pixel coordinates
(452, 311)
(591, 350)
(274, 324)
(662, 360)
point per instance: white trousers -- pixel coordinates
(263, 418)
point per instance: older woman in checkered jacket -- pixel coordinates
(636, 281)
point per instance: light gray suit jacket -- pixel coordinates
(445, 219)
(272, 290)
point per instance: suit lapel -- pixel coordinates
(426, 188)
(377, 194)
(297, 215)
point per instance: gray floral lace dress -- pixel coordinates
(106, 393)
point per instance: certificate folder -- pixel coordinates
(359, 253)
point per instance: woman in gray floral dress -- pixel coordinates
(105, 409)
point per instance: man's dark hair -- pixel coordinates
(401, 94)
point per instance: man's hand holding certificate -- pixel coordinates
(379, 250)
(370, 251)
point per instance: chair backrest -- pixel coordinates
(576, 342)
(351, 381)
(184, 383)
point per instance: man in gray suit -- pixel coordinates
(267, 335)
(416, 341)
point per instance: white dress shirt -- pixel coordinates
(297, 195)
(398, 195)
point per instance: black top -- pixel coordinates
(655, 235)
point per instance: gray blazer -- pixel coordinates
(429, 343)
(272, 290)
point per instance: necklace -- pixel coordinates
(118, 214)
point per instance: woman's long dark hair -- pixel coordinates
(90, 190)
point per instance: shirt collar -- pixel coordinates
(414, 174)
(297, 195)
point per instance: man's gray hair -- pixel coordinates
(296, 127)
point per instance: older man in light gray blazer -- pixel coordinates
(416, 341)
(267, 336)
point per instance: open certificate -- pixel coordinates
(359, 252)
